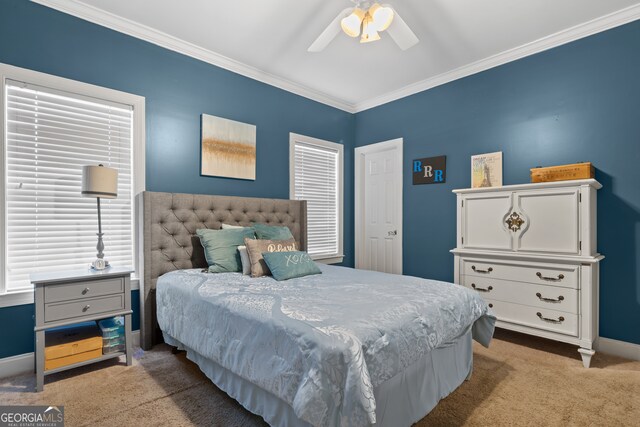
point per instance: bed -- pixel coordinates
(346, 347)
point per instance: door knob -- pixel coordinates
(393, 233)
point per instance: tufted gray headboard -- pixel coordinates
(167, 226)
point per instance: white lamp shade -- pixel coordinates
(99, 181)
(382, 16)
(352, 23)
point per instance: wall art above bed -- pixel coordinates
(227, 148)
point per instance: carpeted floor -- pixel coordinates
(519, 381)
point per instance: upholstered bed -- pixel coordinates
(346, 347)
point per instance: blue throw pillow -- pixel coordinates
(271, 232)
(221, 248)
(288, 265)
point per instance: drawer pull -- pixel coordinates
(86, 308)
(558, 320)
(539, 295)
(487, 271)
(490, 305)
(514, 221)
(550, 279)
(85, 291)
(488, 289)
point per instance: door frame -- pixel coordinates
(360, 152)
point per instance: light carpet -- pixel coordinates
(518, 381)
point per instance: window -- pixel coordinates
(49, 134)
(316, 175)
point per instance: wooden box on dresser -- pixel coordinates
(530, 250)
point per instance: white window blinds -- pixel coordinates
(50, 135)
(316, 180)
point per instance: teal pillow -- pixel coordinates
(288, 265)
(271, 232)
(221, 248)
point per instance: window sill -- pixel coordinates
(332, 259)
(16, 298)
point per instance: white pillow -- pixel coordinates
(229, 226)
(244, 258)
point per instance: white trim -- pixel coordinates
(24, 363)
(167, 41)
(143, 32)
(11, 299)
(16, 365)
(586, 29)
(339, 148)
(618, 348)
(10, 72)
(360, 152)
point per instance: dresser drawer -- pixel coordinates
(539, 318)
(82, 290)
(565, 276)
(82, 308)
(542, 296)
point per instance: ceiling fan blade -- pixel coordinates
(401, 33)
(329, 33)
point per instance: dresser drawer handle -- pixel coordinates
(487, 271)
(550, 279)
(539, 295)
(488, 289)
(85, 291)
(558, 320)
(490, 305)
(86, 308)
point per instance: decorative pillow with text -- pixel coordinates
(255, 249)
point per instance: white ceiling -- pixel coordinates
(268, 39)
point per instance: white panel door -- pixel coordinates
(551, 221)
(381, 211)
(483, 225)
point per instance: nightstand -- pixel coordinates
(70, 297)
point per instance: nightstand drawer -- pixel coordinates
(82, 308)
(83, 290)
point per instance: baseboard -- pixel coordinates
(618, 348)
(15, 365)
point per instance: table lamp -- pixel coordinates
(99, 182)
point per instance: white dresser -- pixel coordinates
(531, 251)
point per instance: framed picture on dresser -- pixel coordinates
(486, 170)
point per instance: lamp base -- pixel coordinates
(100, 264)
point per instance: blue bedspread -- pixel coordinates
(320, 343)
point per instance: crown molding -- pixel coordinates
(134, 29)
(603, 23)
(159, 38)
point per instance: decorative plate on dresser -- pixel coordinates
(530, 250)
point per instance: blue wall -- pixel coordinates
(177, 90)
(578, 102)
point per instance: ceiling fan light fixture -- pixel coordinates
(382, 16)
(352, 23)
(369, 32)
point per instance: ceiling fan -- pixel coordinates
(366, 20)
